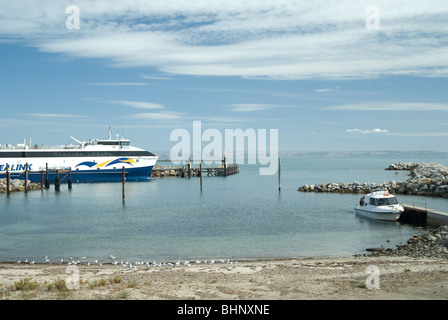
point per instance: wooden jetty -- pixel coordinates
(422, 214)
(188, 171)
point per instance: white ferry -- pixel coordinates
(380, 205)
(92, 161)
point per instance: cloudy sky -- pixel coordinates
(329, 75)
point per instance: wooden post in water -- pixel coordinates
(189, 167)
(26, 177)
(8, 180)
(123, 183)
(225, 166)
(279, 171)
(47, 182)
(70, 178)
(200, 174)
(57, 182)
(42, 180)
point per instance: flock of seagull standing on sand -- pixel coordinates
(148, 263)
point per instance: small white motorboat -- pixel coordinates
(380, 205)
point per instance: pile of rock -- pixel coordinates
(165, 171)
(432, 244)
(16, 185)
(341, 187)
(429, 179)
(426, 179)
(401, 166)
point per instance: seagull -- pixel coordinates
(19, 261)
(32, 262)
(112, 257)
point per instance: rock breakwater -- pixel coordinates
(429, 179)
(431, 244)
(17, 185)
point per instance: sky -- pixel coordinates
(348, 75)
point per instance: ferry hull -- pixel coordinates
(103, 175)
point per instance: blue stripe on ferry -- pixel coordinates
(104, 175)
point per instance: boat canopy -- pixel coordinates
(383, 201)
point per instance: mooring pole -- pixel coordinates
(123, 183)
(70, 178)
(189, 167)
(200, 174)
(26, 177)
(225, 166)
(8, 190)
(279, 178)
(42, 180)
(47, 182)
(57, 182)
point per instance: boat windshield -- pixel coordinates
(383, 201)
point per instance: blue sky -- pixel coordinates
(312, 70)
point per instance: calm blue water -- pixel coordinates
(239, 217)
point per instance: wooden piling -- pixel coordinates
(225, 166)
(200, 174)
(69, 182)
(279, 177)
(189, 168)
(8, 180)
(123, 183)
(47, 182)
(42, 180)
(26, 177)
(57, 182)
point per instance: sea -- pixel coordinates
(240, 217)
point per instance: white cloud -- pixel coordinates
(120, 84)
(55, 115)
(138, 104)
(359, 131)
(250, 107)
(158, 116)
(391, 106)
(251, 39)
(150, 77)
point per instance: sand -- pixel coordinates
(345, 278)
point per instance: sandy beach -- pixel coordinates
(344, 278)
